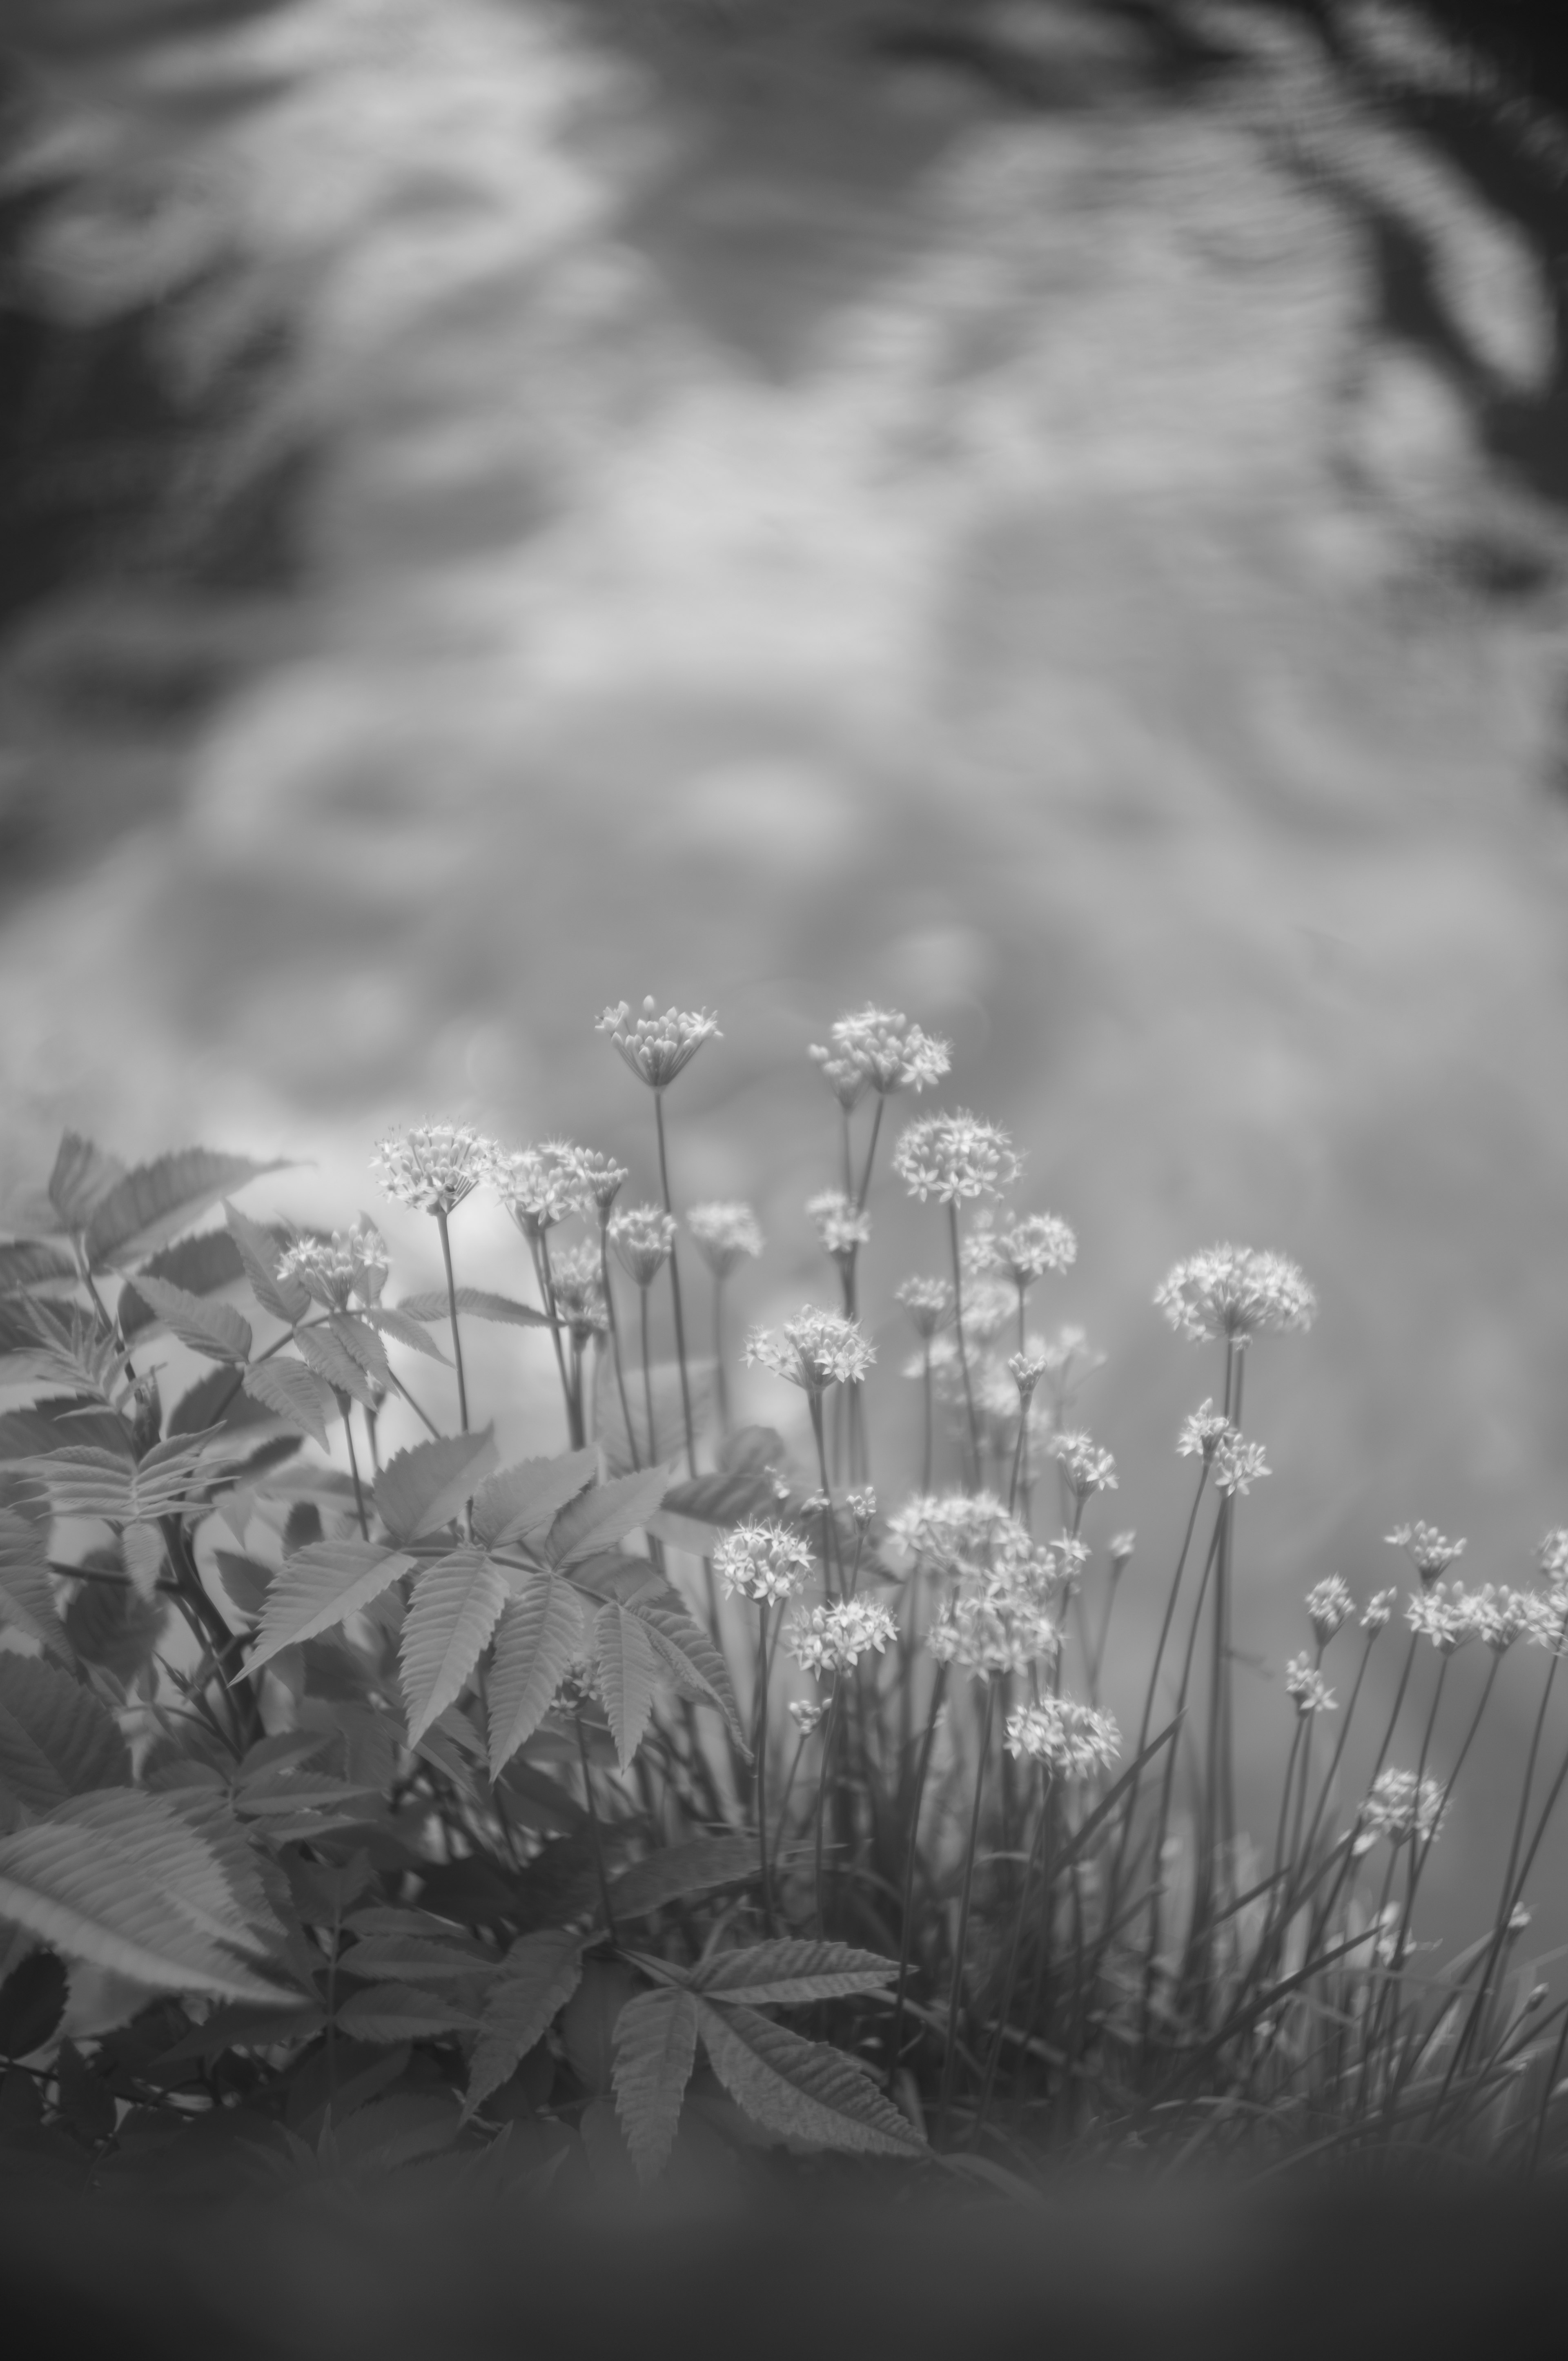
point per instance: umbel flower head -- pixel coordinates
(1329, 1605)
(433, 1166)
(928, 1302)
(1502, 1616)
(832, 1640)
(541, 1186)
(725, 1233)
(1307, 1687)
(657, 1047)
(1447, 1621)
(960, 1536)
(353, 1263)
(1073, 1740)
(603, 1180)
(879, 1049)
(815, 1350)
(1238, 1463)
(579, 1294)
(642, 1236)
(1235, 1293)
(955, 1157)
(1022, 1250)
(1399, 1807)
(841, 1227)
(764, 1560)
(1430, 1553)
(993, 1629)
(1087, 1468)
(1203, 1432)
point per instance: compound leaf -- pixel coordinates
(321, 1586)
(540, 1638)
(455, 1606)
(803, 2089)
(423, 1488)
(655, 2049)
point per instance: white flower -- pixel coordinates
(762, 1559)
(541, 1186)
(577, 1279)
(603, 1178)
(1087, 1468)
(1071, 1740)
(1238, 1464)
(928, 1302)
(955, 1157)
(1027, 1370)
(642, 1236)
(1026, 1249)
(861, 1505)
(879, 1050)
(832, 1640)
(1430, 1553)
(1306, 1685)
(657, 1047)
(353, 1263)
(433, 1166)
(1445, 1622)
(1329, 1605)
(1398, 1809)
(1121, 1547)
(1552, 1557)
(814, 1350)
(992, 1630)
(1378, 1609)
(805, 1715)
(725, 1233)
(841, 1227)
(960, 1536)
(1235, 1293)
(1203, 1431)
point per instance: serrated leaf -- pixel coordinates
(691, 1659)
(83, 1177)
(156, 1200)
(790, 1973)
(409, 1958)
(404, 1332)
(711, 1504)
(655, 2049)
(81, 1480)
(596, 1520)
(454, 1608)
(295, 1392)
(390, 2012)
(517, 1499)
(540, 1637)
(217, 1398)
(286, 1298)
(694, 1868)
(245, 1583)
(236, 2025)
(63, 1345)
(56, 1738)
(805, 2090)
(207, 1810)
(615, 1573)
(336, 1368)
(45, 1425)
(27, 1596)
(28, 1262)
(120, 1879)
(215, 1329)
(478, 1301)
(537, 1978)
(199, 1265)
(320, 1586)
(628, 1666)
(669, 1415)
(422, 1489)
(142, 1551)
(361, 1343)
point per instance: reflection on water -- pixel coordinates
(1022, 517)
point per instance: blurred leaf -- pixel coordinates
(242, 2025)
(404, 1332)
(691, 1659)
(120, 1879)
(201, 1266)
(25, 1434)
(334, 1364)
(320, 1586)
(32, 2002)
(422, 1489)
(454, 1608)
(679, 1870)
(82, 1481)
(28, 1262)
(392, 2011)
(56, 1738)
(803, 2089)
(628, 1666)
(285, 1298)
(83, 1177)
(480, 1304)
(292, 1392)
(216, 1330)
(65, 1345)
(655, 2049)
(790, 1972)
(517, 1499)
(540, 1637)
(669, 1420)
(109, 1624)
(599, 1518)
(156, 1200)
(410, 1959)
(361, 1343)
(26, 1595)
(246, 1582)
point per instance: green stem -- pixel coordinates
(949, 2062)
(675, 1291)
(452, 1308)
(973, 1465)
(906, 1924)
(615, 1340)
(347, 1407)
(761, 1743)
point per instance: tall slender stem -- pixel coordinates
(760, 1742)
(907, 1914)
(346, 1406)
(675, 1292)
(615, 1340)
(595, 1832)
(973, 1463)
(823, 1775)
(452, 1307)
(720, 1374)
(955, 2000)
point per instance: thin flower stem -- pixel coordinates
(346, 1406)
(676, 1293)
(761, 1743)
(925, 1407)
(539, 1248)
(595, 1832)
(615, 1340)
(955, 2002)
(1010, 1981)
(822, 1780)
(906, 1915)
(441, 1224)
(722, 1374)
(647, 1375)
(972, 1471)
(864, 1189)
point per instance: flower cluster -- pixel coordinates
(955, 1157)
(1073, 1740)
(991, 1630)
(1447, 1621)
(1379, 1609)
(725, 1234)
(603, 1180)
(806, 1714)
(1238, 1464)
(1328, 1606)
(1399, 1807)
(353, 1262)
(881, 1051)
(841, 1227)
(1203, 1432)
(1306, 1685)
(1430, 1553)
(433, 1166)
(815, 1350)
(1023, 1250)
(1027, 1370)
(577, 1279)
(1235, 1293)
(765, 1560)
(928, 1302)
(1552, 1557)
(1085, 1466)
(658, 1047)
(541, 1186)
(830, 1640)
(960, 1536)
(642, 1236)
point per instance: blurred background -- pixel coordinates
(1047, 514)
